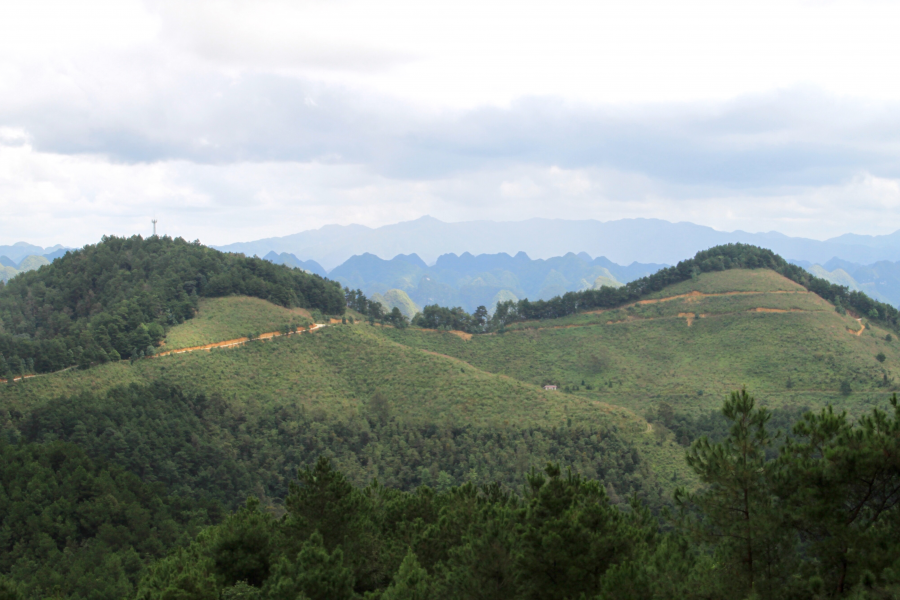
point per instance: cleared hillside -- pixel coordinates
(220, 319)
(691, 344)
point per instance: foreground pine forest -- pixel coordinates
(380, 458)
(812, 516)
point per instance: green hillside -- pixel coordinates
(684, 347)
(691, 343)
(221, 319)
(399, 299)
(356, 380)
(9, 269)
(605, 278)
(30, 263)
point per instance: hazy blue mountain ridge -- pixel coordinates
(470, 281)
(623, 241)
(880, 280)
(10, 267)
(290, 260)
(20, 250)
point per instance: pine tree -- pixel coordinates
(315, 574)
(412, 582)
(740, 514)
(841, 485)
(571, 535)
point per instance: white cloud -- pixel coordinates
(238, 119)
(52, 198)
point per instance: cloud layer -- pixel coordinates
(232, 121)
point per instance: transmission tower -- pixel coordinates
(154, 227)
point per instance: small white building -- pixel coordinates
(550, 387)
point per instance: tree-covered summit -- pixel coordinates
(717, 258)
(113, 299)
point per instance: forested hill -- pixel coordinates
(718, 258)
(115, 299)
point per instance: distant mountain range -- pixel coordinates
(21, 257)
(20, 250)
(464, 261)
(880, 280)
(470, 281)
(623, 241)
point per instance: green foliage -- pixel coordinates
(398, 299)
(156, 432)
(412, 582)
(738, 506)
(380, 424)
(439, 317)
(115, 298)
(314, 573)
(205, 447)
(243, 547)
(808, 521)
(841, 485)
(570, 536)
(75, 528)
(816, 517)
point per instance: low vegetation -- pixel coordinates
(794, 348)
(221, 319)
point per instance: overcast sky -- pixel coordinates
(233, 121)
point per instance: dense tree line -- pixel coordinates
(718, 258)
(202, 447)
(71, 527)
(809, 515)
(817, 519)
(689, 426)
(209, 454)
(115, 299)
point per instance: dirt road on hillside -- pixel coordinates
(240, 341)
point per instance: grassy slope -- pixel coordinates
(334, 371)
(221, 319)
(649, 353)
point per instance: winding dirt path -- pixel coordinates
(15, 379)
(695, 295)
(240, 341)
(225, 344)
(689, 317)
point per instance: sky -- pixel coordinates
(232, 121)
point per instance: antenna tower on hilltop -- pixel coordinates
(154, 227)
